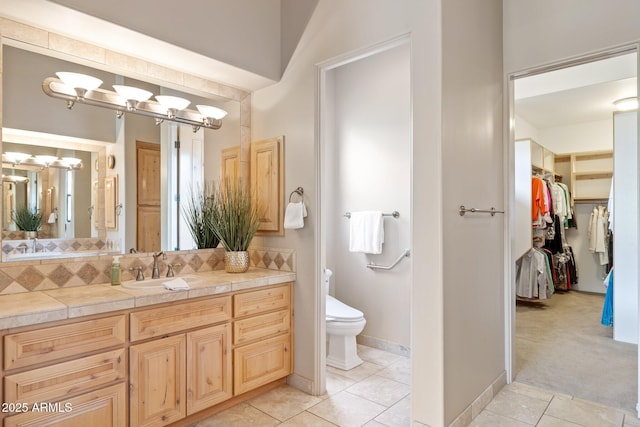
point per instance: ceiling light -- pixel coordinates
(81, 83)
(173, 104)
(626, 104)
(132, 95)
(72, 161)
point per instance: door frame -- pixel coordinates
(509, 138)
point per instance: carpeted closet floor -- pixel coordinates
(561, 346)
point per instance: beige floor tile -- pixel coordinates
(549, 421)
(241, 415)
(399, 415)
(529, 390)
(488, 419)
(517, 406)
(336, 383)
(359, 372)
(346, 410)
(379, 357)
(284, 402)
(374, 423)
(399, 371)
(585, 413)
(380, 390)
(631, 420)
(307, 419)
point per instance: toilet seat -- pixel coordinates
(338, 311)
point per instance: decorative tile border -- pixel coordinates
(53, 245)
(38, 275)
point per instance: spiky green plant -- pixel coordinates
(27, 219)
(237, 216)
(198, 213)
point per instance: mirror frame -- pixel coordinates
(47, 43)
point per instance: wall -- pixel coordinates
(579, 137)
(473, 312)
(371, 169)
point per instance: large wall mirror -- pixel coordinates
(134, 149)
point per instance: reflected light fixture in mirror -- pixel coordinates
(17, 179)
(626, 104)
(43, 161)
(209, 113)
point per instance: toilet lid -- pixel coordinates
(337, 310)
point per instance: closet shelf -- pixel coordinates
(593, 174)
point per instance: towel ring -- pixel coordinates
(299, 191)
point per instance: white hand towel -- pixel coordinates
(52, 218)
(294, 215)
(366, 232)
(176, 284)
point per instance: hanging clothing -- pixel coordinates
(598, 234)
(539, 206)
(607, 309)
(533, 276)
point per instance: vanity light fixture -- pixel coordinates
(132, 95)
(626, 104)
(17, 179)
(40, 161)
(129, 99)
(80, 83)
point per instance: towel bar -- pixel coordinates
(462, 210)
(394, 214)
(406, 254)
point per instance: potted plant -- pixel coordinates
(198, 213)
(235, 220)
(27, 219)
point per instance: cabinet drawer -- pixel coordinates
(264, 325)
(49, 344)
(178, 317)
(261, 363)
(256, 302)
(57, 381)
(101, 408)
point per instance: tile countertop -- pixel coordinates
(36, 307)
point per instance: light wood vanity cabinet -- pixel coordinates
(152, 366)
(67, 375)
(262, 337)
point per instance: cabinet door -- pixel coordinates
(230, 164)
(261, 363)
(101, 408)
(208, 367)
(267, 176)
(157, 383)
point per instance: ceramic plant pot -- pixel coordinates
(236, 262)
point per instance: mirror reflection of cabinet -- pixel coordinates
(148, 196)
(230, 167)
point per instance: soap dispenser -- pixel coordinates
(115, 271)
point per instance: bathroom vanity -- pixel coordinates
(136, 357)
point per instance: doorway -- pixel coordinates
(364, 152)
(567, 109)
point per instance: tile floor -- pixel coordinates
(377, 394)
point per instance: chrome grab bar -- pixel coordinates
(406, 254)
(394, 214)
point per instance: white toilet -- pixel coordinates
(343, 324)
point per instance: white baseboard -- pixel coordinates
(391, 347)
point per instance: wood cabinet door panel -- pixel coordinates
(208, 367)
(179, 317)
(148, 237)
(260, 363)
(49, 344)
(148, 164)
(157, 383)
(267, 180)
(260, 301)
(65, 379)
(106, 407)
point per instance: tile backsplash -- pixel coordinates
(37, 275)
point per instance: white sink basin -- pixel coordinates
(158, 283)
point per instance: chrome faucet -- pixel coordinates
(155, 274)
(35, 245)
